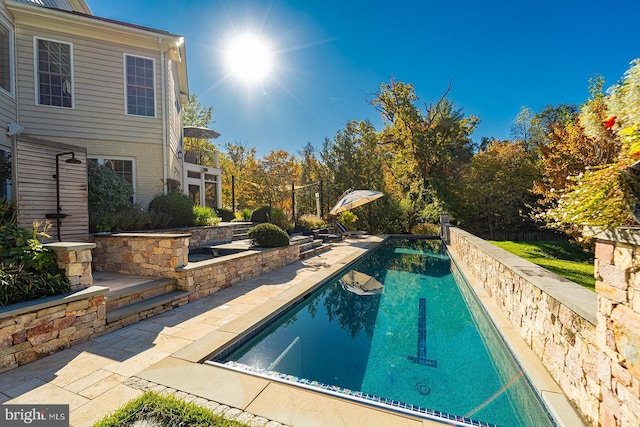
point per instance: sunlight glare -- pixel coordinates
(249, 58)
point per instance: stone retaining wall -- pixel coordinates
(555, 317)
(75, 260)
(589, 342)
(206, 277)
(166, 256)
(35, 329)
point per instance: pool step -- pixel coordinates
(130, 304)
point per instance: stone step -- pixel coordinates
(315, 250)
(148, 307)
(128, 295)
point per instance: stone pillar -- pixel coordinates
(617, 270)
(75, 259)
(445, 219)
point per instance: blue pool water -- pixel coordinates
(400, 327)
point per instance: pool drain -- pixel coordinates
(423, 389)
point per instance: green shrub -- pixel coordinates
(178, 206)
(262, 214)
(311, 222)
(205, 215)
(108, 193)
(28, 270)
(268, 235)
(226, 214)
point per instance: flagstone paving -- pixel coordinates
(99, 376)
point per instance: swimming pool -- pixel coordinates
(401, 329)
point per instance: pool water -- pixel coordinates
(400, 327)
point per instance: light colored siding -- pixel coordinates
(36, 166)
(175, 122)
(7, 102)
(99, 111)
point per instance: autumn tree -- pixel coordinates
(313, 173)
(428, 146)
(272, 179)
(493, 191)
(355, 161)
(239, 161)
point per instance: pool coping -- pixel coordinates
(287, 403)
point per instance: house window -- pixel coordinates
(5, 58)
(55, 85)
(140, 86)
(122, 167)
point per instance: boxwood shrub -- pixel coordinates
(178, 206)
(268, 235)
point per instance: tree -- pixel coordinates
(608, 195)
(238, 161)
(525, 128)
(273, 177)
(428, 148)
(493, 191)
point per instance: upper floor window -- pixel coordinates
(5, 58)
(139, 74)
(54, 73)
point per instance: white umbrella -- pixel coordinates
(353, 199)
(360, 283)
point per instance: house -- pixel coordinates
(78, 88)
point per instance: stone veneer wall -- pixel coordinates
(145, 254)
(166, 256)
(206, 277)
(75, 260)
(555, 317)
(35, 329)
(617, 270)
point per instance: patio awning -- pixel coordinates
(199, 132)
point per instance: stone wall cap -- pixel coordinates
(19, 308)
(69, 246)
(580, 300)
(629, 235)
(151, 235)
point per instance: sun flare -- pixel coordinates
(249, 58)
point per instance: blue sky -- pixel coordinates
(330, 56)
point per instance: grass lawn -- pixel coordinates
(565, 259)
(164, 411)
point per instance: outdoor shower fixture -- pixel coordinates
(59, 215)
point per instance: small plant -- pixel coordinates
(205, 215)
(268, 235)
(178, 206)
(311, 222)
(165, 411)
(245, 215)
(29, 270)
(348, 218)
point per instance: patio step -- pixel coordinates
(142, 300)
(148, 307)
(314, 247)
(241, 229)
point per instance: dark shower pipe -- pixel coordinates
(59, 215)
